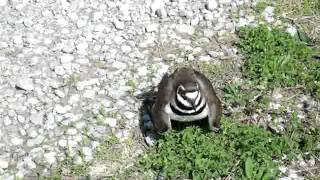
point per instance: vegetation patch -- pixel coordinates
(241, 151)
(276, 59)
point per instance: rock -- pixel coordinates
(59, 70)
(90, 94)
(66, 58)
(4, 164)
(50, 157)
(3, 3)
(225, 1)
(7, 121)
(97, 15)
(16, 141)
(142, 71)
(36, 141)
(152, 28)
(62, 109)
(268, 14)
(81, 23)
(157, 5)
(185, 29)
(74, 99)
(25, 84)
(82, 48)
(118, 24)
(129, 115)
(87, 151)
(112, 122)
(37, 118)
(29, 162)
(211, 4)
(119, 65)
(125, 49)
(77, 160)
(17, 40)
(82, 84)
(291, 30)
(150, 139)
(72, 131)
(59, 93)
(62, 143)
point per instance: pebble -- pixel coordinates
(16, 141)
(211, 4)
(3, 2)
(50, 157)
(112, 122)
(25, 84)
(185, 29)
(152, 28)
(66, 58)
(62, 109)
(90, 94)
(118, 24)
(82, 48)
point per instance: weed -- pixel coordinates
(276, 59)
(72, 80)
(247, 151)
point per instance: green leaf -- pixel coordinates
(249, 168)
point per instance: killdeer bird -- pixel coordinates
(185, 95)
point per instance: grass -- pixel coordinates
(276, 59)
(242, 151)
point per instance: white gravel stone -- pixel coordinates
(66, 58)
(59, 70)
(152, 28)
(129, 114)
(112, 122)
(17, 40)
(3, 2)
(7, 121)
(37, 118)
(97, 15)
(150, 140)
(118, 24)
(185, 29)
(25, 84)
(125, 49)
(62, 143)
(82, 48)
(75, 98)
(157, 5)
(16, 141)
(4, 164)
(142, 71)
(211, 4)
(50, 157)
(62, 109)
(90, 94)
(77, 160)
(291, 30)
(72, 131)
(82, 84)
(268, 14)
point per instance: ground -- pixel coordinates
(73, 76)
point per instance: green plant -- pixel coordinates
(276, 59)
(247, 151)
(72, 80)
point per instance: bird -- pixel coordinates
(185, 95)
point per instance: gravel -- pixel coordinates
(61, 61)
